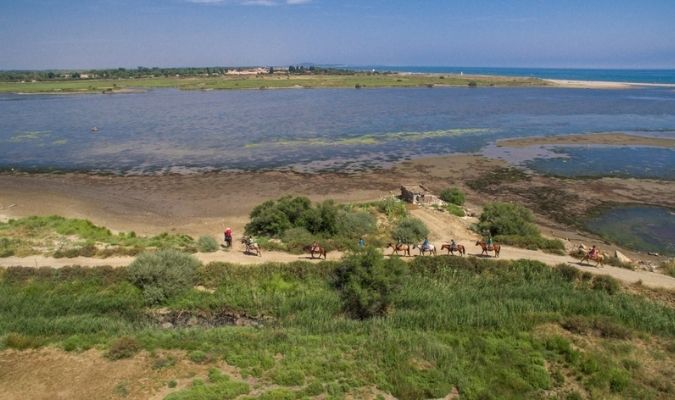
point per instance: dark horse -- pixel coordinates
(405, 248)
(315, 249)
(458, 248)
(487, 250)
(251, 248)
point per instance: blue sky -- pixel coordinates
(41, 34)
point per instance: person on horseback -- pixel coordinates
(453, 245)
(228, 236)
(315, 246)
(426, 245)
(362, 244)
(593, 253)
(488, 242)
(250, 241)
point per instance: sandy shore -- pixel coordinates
(603, 84)
(614, 139)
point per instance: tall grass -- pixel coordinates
(456, 322)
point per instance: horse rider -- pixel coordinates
(593, 252)
(362, 243)
(453, 245)
(426, 245)
(228, 236)
(315, 246)
(250, 240)
(489, 241)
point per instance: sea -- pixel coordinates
(651, 76)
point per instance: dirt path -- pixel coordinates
(442, 227)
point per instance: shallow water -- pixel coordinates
(638, 227)
(310, 129)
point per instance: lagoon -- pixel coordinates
(308, 130)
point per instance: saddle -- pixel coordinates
(490, 247)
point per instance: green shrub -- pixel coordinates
(605, 283)
(456, 210)
(21, 342)
(410, 230)
(568, 272)
(163, 274)
(199, 357)
(392, 207)
(533, 242)
(452, 196)
(124, 347)
(668, 267)
(507, 219)
(207, 244)
(172, 384)
(355, 224)
(366, 283)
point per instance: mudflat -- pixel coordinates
(609, 138)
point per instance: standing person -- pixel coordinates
(362, 244)
(228, 236)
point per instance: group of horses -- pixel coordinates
(430, 249)
(398, 248)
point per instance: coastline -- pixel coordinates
(605, 138)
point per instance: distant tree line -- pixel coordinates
(145, 72)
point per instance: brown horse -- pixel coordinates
(251, 248)
(598, 258)
(487, 250)
(405, 248)
(315, 249)
(431, 249)
(458, 248)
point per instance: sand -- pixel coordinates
(611, 139)
(603, 84)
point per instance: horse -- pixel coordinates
(430, 248)
(458, 248)
(486, 249)
(598, 258)
(311, 249)
(251, 248)
(405, 248)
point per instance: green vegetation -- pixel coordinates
(668, 267)
(207, 244)
(491, 329)
(163, 274)
(261, 81)
(455, 210)
(410, 230)
(298, 223)
(453, 196)
(513, 224)
(367, 282)
(490, 182)
(65, 237)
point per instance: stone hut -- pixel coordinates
(419, 195)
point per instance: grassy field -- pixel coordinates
(265, 82)
(492, 330)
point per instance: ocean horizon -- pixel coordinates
(652, 76)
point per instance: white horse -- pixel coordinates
(430, 248)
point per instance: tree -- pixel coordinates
(367, 282)
(507, 219)
(410, 230)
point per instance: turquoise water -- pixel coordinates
(660, 76)
(649, 229)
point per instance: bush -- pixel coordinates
(163, 274)
(456, 210)
(668, 267)
(410, 230)
(392, 207)
(355, 224)
(366, 282)
(207, 244)
(124, 347)
(605, 283)
(533, 242)
(452, 196)
(507, 219)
